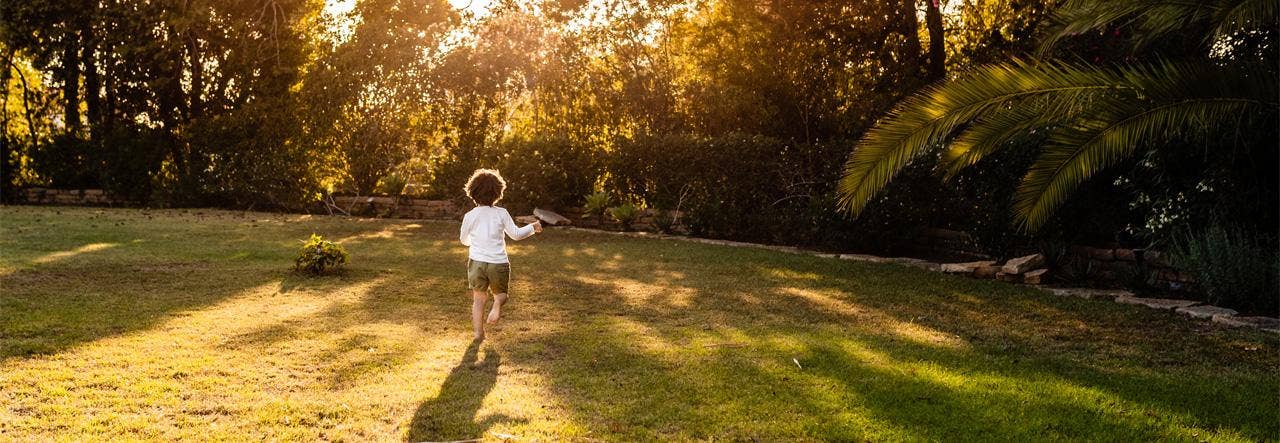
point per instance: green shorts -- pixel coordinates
(492, 276)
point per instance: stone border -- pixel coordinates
(1189, 308)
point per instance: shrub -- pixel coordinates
(625, 214)
(318, 256)
(756, 188)
(393, 184)
(596, 204)
(665, 222)
(543, 172)
(247, 158)
(1232, 267)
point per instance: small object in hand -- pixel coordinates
(551, 218)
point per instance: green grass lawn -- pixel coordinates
(120, 323)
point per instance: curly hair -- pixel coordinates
(485, 187)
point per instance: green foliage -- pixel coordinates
(665, 222)
(765, 189)
(596, 204)
(1132, 107)
(318, 256)
(1233, 267)
(68, 162)
(1078, 270)
(1153, 20)
(542, 172)
(626, 214)
(546, 172)
(392, 184)
(249, 157)
(1093, 118)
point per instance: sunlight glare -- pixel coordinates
(477, 7)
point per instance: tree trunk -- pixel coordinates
(910, 29)
(937, 67)
(92, 82)
(70, 75)
(5, 77)
(7, 147)
(109, 87)
(197, 76)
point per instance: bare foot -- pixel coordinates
(478, 337)
(496, 312)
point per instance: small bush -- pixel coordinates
(393, 184)
(596, 205)
(1232, 267)
(1078, 270)
(625, 214)
(318, 256)
(665, 222)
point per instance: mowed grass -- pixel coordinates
(188, 324)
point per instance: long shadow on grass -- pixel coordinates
(1151, 359)
(50, 308)
(56, 301)
(451, 415)
(1000, 384)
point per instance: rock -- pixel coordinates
(1125, 255)
(550, 218)
(986, 271)
(1023, 264)
(1035, 277)
(965, 268)
(916, 263)
(526, 219)
(862, 257)
(1156, 303)
(1007, 277)
(1089, 293)
(1206, 311)
(1156, 258)
(1263, 323)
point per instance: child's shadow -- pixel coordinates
(452, 414)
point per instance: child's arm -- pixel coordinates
(516, 233)
(468, 223)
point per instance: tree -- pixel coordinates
(1093, 117)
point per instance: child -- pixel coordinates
(487, 266)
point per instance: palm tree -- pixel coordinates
(1091, 117)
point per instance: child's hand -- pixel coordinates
(537, 227)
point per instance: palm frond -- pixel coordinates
(1157, 19)
(1001, 126)
(924, 121)
(1241, 15)
(1178, 100)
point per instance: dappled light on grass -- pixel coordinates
(621, 339)
(388, 233)
(638, 293)
(873, 320)
(55, 256)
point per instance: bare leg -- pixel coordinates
(478, 298)
(496, 312)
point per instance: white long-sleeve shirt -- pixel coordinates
(482, 230)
